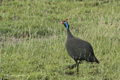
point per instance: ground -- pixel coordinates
(32, 39)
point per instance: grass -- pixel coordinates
(32, 39)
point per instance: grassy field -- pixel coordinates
(32, 39)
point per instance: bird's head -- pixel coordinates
(66, 24)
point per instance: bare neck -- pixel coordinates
(69, 35)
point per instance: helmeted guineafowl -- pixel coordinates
(78, 49)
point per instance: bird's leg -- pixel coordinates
(73, 66)
(77, 63)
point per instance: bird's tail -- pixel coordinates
(96, 60)
(93, 59)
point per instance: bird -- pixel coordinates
(78, 49)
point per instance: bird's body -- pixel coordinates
(79, 49)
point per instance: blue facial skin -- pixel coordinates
(66, 24)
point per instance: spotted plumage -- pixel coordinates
(78, 49)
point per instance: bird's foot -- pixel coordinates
(71, 67)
